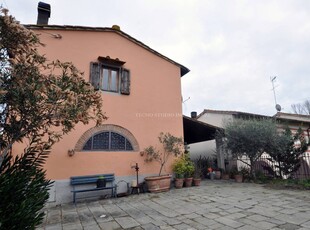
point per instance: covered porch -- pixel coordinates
(195, 131)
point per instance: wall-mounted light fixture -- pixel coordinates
(71, 152)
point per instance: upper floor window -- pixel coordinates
(109, 75)
(108, 141)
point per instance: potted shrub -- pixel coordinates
(189, 171)
(198, 173)
(172, 146)
(101, 182)
(179, 168)
(236, 174)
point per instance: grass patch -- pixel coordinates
(289, 184)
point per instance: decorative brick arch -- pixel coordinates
(107, 127)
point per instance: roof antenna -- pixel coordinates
(186, 100)
(278, 107)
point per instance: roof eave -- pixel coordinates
(183, 70)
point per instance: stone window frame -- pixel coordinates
(106, 128)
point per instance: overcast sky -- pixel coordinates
(232, 47)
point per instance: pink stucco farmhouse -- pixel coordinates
(141, 93)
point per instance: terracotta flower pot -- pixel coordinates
(225, 176)
(158, 183)
(179, 182)
(188, 182)
(239, 178)
(196, 181)
(217, 175)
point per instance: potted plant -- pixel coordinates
(198, 173)
(237, 175)
(101, 182)
(225, 174)
(245, 172)
(172, 146)
(211, 173)
(189, 170)
(179, 168)
(217, 173)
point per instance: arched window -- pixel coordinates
(108, 141)
(107, 137)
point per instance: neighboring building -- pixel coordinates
(294, 121)
(217, 119)
(141, 93)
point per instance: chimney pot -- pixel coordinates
(44, 13)
(193, 114)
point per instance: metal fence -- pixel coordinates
(268, 166)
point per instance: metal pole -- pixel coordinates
(272, 79)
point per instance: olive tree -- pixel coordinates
(249, 138)
(40, 101)
(172, 146)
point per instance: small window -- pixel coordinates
(108, 141)
(109, 78)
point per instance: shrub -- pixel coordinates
(179, 167)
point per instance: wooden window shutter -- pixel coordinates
(95, 75)
(125, 82)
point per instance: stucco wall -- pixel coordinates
(216, 119)
(204, 149)
(153, 106)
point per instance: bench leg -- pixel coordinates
(74, 199)
(114, 190)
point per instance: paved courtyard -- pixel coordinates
(213, 205)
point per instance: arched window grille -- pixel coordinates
(108, 141)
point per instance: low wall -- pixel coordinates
(60, 192)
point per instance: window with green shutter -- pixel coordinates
(109, 75)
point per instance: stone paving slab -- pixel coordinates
(213, 205)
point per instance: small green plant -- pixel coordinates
(261, 177)
(190, 169)
(179, 167)
(189, 165)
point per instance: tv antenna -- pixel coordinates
(273, 79)
(186, 100)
